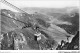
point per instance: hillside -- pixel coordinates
(53, 24)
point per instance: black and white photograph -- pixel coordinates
(39, 25)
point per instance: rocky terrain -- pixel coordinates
(18, 29)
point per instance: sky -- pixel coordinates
(41, 3)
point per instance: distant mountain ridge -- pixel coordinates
(47, 13)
